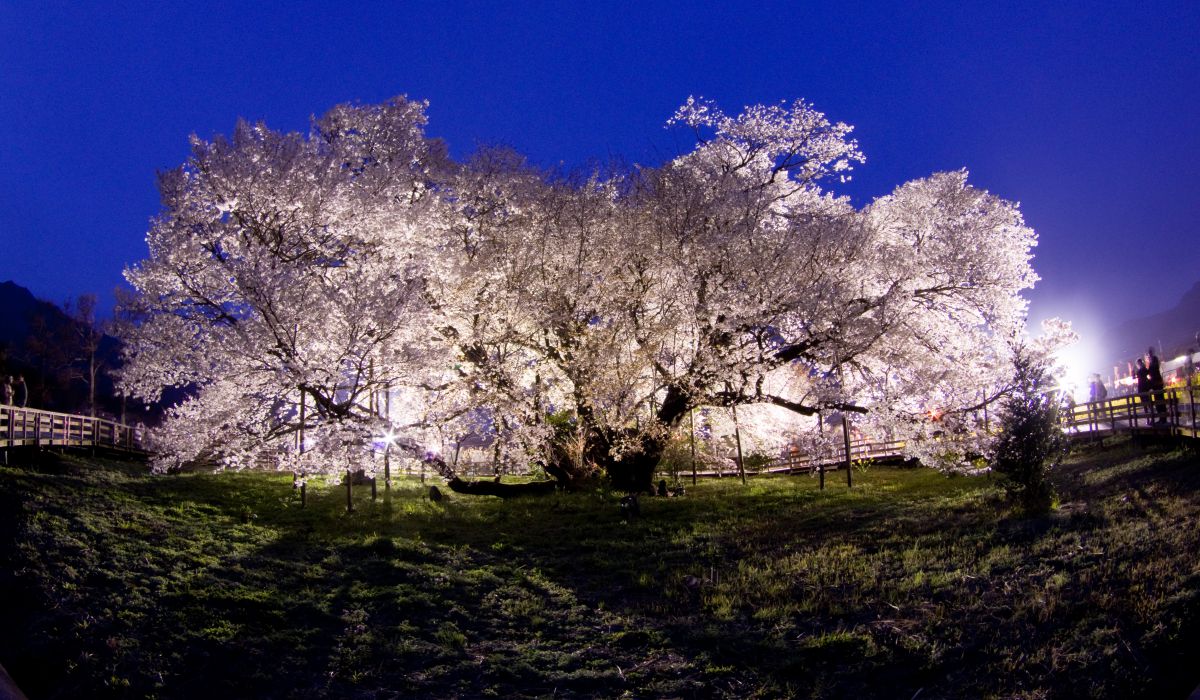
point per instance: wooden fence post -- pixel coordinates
(1192, 406)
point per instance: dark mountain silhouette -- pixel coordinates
(18, 308)
(1175, 329)
(39, 341)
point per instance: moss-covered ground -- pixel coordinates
(117, 583)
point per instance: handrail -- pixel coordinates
(1172, 410)
(32, 427)
(859, 450)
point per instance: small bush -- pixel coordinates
(1031, 441)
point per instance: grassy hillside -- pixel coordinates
(114, 583)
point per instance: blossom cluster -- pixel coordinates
(329, 295)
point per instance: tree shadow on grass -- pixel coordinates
(221, 584)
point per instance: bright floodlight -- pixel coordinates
(1076, 363)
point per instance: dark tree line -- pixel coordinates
(66, 354)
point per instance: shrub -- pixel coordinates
(1031, 441)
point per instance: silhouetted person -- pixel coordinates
(1142, 374)
(1096, 393)
(1157, 385)
(22, 391)
(7, 391)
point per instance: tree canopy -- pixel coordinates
(357, 282)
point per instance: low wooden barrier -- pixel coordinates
(31, 427)
(1171, 411)
(860, 450)
(1174, 411)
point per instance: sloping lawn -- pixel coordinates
(115, 583)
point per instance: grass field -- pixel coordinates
(115, 583)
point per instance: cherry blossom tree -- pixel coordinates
(285, 285)
(573, 321)
(727, 277)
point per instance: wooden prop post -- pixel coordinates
(846, 441)
(387, 450)
(821, 458)
(300, 449)
(737, 438)
(692, 435)
(387, 467)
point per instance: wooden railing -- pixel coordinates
(30, 427)
(1171, 411)
(1174, 411)
(860, 450)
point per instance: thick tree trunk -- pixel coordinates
(490, 487)
(634, 471)
(634, 474)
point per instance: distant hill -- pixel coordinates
(1174, 328)
(37, 341)
(18, 307)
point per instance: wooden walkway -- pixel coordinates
(1175, 413)
(860, 451)
(30, 427)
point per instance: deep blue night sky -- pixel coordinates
(1088, 116)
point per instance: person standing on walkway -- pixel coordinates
(1142, 374)
(1157, 385)
(1096, 394)
(22, 391)
(7, 391)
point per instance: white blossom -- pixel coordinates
(490, 299)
